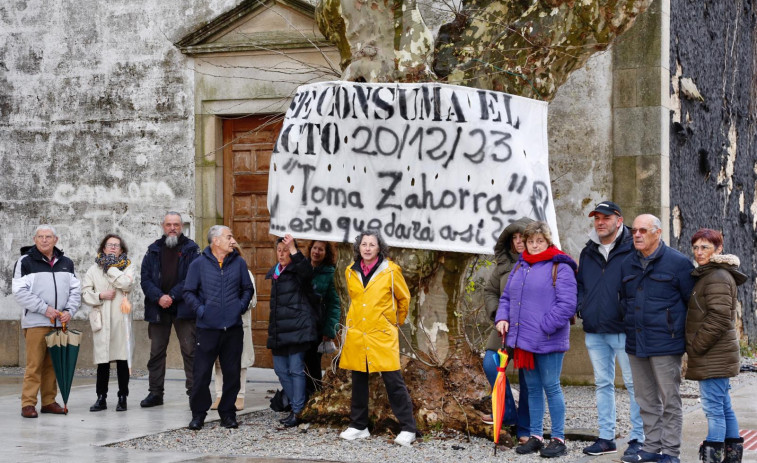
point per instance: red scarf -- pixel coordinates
(547, 254)
(521, 358)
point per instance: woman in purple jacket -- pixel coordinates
(535, 310)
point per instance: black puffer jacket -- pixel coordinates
(711, 340)
(292, 320)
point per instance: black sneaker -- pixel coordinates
(151, 400)
(531, 446)
(642, 457)
(601, 447)
(555, 448)
(633, 447)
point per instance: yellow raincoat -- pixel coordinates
(375, 313)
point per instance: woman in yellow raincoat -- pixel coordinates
(379, 299)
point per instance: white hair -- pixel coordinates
(215, 231)
(45, 226)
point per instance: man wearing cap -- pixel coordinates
(655, 288)
(610, 242)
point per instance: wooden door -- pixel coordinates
(248, 142)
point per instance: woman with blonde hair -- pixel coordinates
(535, 311)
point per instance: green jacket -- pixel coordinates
(331, 309)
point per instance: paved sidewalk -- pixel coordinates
(82, 435)
(743, 400)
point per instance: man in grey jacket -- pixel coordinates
(46, 287)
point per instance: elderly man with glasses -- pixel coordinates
(656, 284)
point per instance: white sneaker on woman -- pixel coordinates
(352, 434)
(405, 438)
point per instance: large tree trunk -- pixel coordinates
(522, 47)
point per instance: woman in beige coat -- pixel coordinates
(104, 288)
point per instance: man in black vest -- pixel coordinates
(164, 269)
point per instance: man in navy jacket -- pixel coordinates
(598, 306)
(164, 269)
(218, 289)
(656, 284)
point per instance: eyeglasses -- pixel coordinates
(704, 247)
(642, 231)
(112, 245)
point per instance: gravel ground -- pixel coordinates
(260, 435)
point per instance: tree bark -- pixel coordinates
(522, 47)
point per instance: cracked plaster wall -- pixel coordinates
(96, 124)
(713, 161)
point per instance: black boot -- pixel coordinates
(711, 452)
(99, 404)
(286, 418)
(121, 403)
(292, 421)
(734, 449)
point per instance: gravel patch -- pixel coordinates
(260, 435)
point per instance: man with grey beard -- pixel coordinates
(164, 269)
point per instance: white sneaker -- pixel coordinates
(405, 438)
(352, 434)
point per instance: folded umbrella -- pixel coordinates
(63, 345)
(498, 394)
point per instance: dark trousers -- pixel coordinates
(399, 400)
(103, 377)
(313, 374)
(226, 346)
(159, 334)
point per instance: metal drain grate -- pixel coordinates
(750, 438)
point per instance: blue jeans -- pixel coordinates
(512, 416)
(291, 372)
(545, 379)
(716, 403)
(604, 350)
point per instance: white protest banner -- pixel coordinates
(432, 166)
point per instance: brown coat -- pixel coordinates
(711, 340)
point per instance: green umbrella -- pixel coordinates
(63, 346)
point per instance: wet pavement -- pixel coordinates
(84, 436)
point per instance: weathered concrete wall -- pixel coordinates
(96, 124)
(713, 156)
(580, 149)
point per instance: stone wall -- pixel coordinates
(96, 123)
(713, 161)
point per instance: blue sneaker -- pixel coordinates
(669, 459)
(633, 447)
(601, 447)
(643, 457)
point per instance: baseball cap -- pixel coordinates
(606, 208)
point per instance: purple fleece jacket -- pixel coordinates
(539, 313)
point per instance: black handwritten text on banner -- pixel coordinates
(432, 166)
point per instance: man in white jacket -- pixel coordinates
(46, 287)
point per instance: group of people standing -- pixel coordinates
(205, 297)
(305, 311)
(643, 304)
